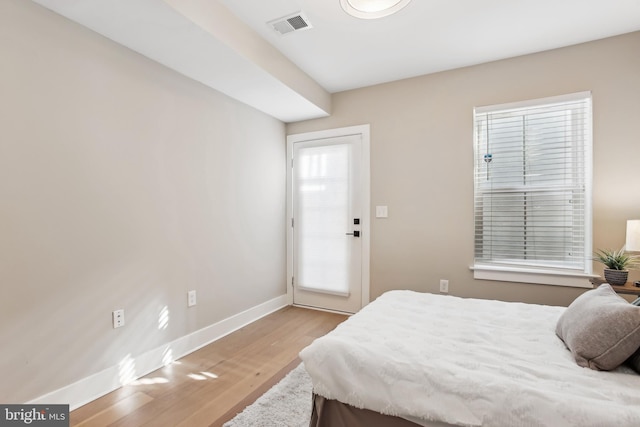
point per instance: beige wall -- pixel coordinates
(122, 185)
(422, 160)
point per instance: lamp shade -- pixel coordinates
(633, 235)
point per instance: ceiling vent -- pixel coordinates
(290, 23)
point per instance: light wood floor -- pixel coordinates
(208, 387)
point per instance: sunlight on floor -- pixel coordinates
(202, 376)
(127, 367)
(209, 374)
(150, 381)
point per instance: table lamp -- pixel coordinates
(633, 238)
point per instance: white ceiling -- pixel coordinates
(340, 52)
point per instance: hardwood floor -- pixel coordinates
(208, 387)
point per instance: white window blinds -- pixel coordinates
(532, 183)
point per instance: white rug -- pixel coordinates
(287, 403)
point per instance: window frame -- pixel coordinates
(564, 276)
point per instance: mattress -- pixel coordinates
(466, 362)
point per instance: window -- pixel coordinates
(533, 188)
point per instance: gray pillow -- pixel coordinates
(600, 328)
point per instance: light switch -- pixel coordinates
(382, 212)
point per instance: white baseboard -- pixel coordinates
(108, 380)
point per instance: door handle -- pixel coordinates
(356, 233)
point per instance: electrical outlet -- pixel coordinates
(118, 318)
(191, 298)
(444, 286)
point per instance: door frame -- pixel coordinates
(364, 132)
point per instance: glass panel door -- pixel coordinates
(326, 203)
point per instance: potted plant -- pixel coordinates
(617, 265)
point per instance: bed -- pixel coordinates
(422, 359)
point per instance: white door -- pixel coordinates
(328, 222)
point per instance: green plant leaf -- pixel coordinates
(617, 260)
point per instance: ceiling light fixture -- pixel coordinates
(372, 9)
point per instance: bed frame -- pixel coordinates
(333, 413)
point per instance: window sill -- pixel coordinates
(535, 276)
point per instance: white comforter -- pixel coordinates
(466, 362)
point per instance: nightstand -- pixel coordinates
(629, 289)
